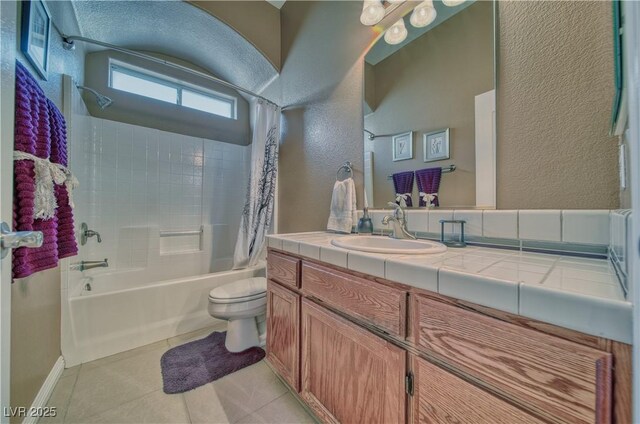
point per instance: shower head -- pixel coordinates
(102, 100)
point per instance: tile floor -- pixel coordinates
(127, 388)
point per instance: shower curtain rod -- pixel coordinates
(68, 41)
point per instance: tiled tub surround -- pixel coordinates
(136, 182)
(581, 294)
(136, 186)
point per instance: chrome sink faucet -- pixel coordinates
(398, 223)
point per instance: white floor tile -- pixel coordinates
(102, 388)
(284, 410)
(156, 407)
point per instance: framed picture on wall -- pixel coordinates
(402, 146)
(435, 145)
(35, 34)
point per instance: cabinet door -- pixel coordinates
(350, 375)
(283, 332)
(441, 397)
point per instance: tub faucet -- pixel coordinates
(85, 233)
(398, 223)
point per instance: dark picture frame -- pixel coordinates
(35, 35)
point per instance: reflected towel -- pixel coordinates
(403, 185)
(428, 185)
(343, 213)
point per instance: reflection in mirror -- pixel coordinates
(429, 112)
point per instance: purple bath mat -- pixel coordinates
(197, 363)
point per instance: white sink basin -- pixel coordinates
(381, 244)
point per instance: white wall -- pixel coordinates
(136, 182)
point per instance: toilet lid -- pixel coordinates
(240, 291)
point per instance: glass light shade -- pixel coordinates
(452, 3)
(397, 33)
(423, 14)
(372, 12)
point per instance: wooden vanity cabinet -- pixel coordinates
(349, 375)
(360, 349)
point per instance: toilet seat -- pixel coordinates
(239, 291)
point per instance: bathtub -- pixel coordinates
(117, 314)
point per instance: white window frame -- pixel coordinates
(168, 81)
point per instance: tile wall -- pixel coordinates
(582, 227)
(137, 182)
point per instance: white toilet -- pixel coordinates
(244, 304)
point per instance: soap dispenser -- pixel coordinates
(365, 226)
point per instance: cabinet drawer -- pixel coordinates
(441, 397)
(283, 332)
(383, 306)
(283, 269)
(560, 380)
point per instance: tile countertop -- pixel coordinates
(581, 294)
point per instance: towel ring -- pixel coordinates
(347, 166)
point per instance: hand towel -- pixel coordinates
(343, 213)
(428, 185)
(403, 184)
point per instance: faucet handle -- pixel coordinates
(398, 212)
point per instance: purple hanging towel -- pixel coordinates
(40, 130)
(403, 184)
(428, 185)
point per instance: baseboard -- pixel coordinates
(45, 391)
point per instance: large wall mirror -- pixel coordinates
(429, 104)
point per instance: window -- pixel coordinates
(167, 89)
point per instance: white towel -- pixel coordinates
(343, 207)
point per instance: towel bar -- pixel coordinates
(446, 170)
(346, 166)
(180, 233)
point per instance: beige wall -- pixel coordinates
(35, 303)
(322, 83)
(257, 21)
(554, 97)
(428, 85)
(35, 333)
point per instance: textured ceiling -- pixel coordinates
(173, 28)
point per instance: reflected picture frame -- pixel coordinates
(435, 146)
(402, 145)
(35, 35)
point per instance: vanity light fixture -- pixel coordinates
(452, 3)
(423, 14)
(395, 1)
(372, 12)
(397, 33)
